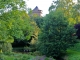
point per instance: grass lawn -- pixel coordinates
(16, 56)
(74, 52)
(20, 56)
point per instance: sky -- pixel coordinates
(42, 5)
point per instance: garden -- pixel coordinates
(24, 36)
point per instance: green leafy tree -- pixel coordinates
(39, 21)
(76, 12)
(70, 9)
(8, 5)
(56, 35)
(15, 25)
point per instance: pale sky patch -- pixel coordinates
(42, 5)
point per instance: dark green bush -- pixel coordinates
(56, 35)
(6, 48)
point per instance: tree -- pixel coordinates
(39, 21)
(8, 5)
(68, 7)
(76, 12)
(14, 22)
(56, 35)
(15, 25)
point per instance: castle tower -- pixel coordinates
(36, 11)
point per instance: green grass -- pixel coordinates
(16, 56)
(8, 58)
(20, 56)
(73, 53)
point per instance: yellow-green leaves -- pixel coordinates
(70, 9)
(9, 39)
(71, 21)
(15, 24)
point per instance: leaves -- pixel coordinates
(56, 34)
(70, 9)
(15, 24)
(8, 5)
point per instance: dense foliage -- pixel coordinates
(70, 9)
(56, 35)
(8, 5)
(15, 24)
(58, 28)
(57, 32)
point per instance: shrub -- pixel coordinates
(6, 48)
(56, 35)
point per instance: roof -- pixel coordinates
(36, 8)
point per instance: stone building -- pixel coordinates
(36, 11)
